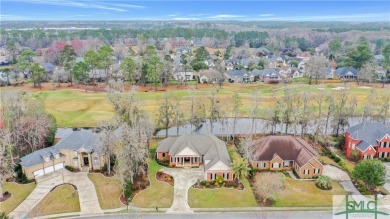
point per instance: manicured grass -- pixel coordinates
(159, 194)
(62, 199)
(328, 160)
(306, 194)
(19, 194)
(78, 109)
(223, 197)
(74, 108)
(108, 190)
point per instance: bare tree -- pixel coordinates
(214, 109)
(107, 140)
(237, 102)
(255, 110)
(314, 67)
(166, 112)
(329, 110)
(6, 157)
(340, 120)
(178, 115)
(268, 184)
(220, 68)
(368, 72)
(246, 148)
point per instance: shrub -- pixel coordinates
(218, 181)
(128, 190)
(337, 159)
(6, 193)
(387, 159)
(332, 156)
(203, 182)
(207, 185)
(324, 182)
(70, 168)
(355, 155)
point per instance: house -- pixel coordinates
(204, 151)
(180, 51)
(231, 64)
(78, 149)
(238, 76)
(263, 52)
(210, 63)
(371, 139)
(347, 73)
(327, 73)
(281, 60)
(268, 75)
(183, 76)
(278, 153)
(305, 56)
(209, 76)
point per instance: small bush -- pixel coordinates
(70, 168)
(218, 181)
(387, 159)
(337, 159)
(128, 190)
(207, 185)
(332, 156)
(6, 193)
(324, 182)
(203, 182)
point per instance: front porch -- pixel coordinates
(186, 161)
(83, 160)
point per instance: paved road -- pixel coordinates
(184, 179)
(222, 215)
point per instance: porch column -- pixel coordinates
(80, 158)
(90, 161)
(176, 161)
(182, 159)
(190, 161)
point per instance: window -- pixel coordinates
(275, 165)
(95, 161)
(306, 172)
(47, 158)
(380, 155)
(383, 144)
(171, 159)
(225, 176)
(212, 176)
(316, 170)
(365, 156)
(260, 165)
(386, 154)
(286, 163)
(163, 154)
(371, 156)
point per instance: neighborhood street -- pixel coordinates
(225, 215)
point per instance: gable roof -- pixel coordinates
(208, 146)
(369, 133)
(344, 71)
(77, 140)
(286, 147)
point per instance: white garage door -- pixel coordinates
(49, 169)
(58, 166)
(38, 173)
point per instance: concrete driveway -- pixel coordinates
(335, 173)
(184, 179)
(89, 203)
(387, 184)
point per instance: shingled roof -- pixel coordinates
(208, 146)
(286, 147)
(369, 133)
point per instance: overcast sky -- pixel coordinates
(195, 10)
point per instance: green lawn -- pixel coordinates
(159, 194)
(306, 194)
(19, 194)
(81, 109)
(223, 197)
(63, 199)
(108, 190)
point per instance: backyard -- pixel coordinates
(108, 190)
(19, 194)
(63, 199)
(73, 107)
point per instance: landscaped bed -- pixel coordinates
(163, 177)
(63, 199)
(19, 194)
(108, 190)
(158, 194)
(218, 184)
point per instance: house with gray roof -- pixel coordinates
(347, 73)
(75, 148)
(204, 151)
(239, 76)
(370, 139)
(277, 153)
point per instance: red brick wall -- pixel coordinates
(219, 173)
(348, 144)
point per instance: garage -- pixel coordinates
(49, 169)
(38, 173)
(58, 166)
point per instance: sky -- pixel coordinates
(260, 10)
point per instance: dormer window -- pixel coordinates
(47, 158)
(57, 155)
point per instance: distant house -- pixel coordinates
(304, 56)
(210, 76)
(183, 76)
(379, 59)
(347, 73)
(277, 153)
(78, 149)
(371, 139)
(263, 52)
(239, 76)
(231, 64)
(268, 75)
(327, 73)
(204, 151)
(181, 51)
(281, 60)
(210, 63)
(98, 75)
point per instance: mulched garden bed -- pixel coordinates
(6, 196)
(163, 177)
(141, 182)
(235, 184)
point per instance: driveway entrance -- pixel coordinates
(184, 179)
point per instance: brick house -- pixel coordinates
(204, 151)
(371, 139)
(278, 153)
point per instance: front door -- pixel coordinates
(86, 161)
